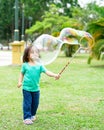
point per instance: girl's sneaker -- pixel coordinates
(28, 122)
(33, 118)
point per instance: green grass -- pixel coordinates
(74, 102)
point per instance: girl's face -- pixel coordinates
(33, 55)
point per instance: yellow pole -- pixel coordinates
(17, 52)
(17, 46)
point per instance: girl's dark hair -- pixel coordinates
(26, 54)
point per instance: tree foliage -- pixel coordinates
(53, 23)
(6, 19)
(66, 6)
(97, 29)
(34, 10)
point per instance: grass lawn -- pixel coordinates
(74, 102)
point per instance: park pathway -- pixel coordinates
(5, 58)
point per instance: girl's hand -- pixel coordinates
(19, 85)
(51, 74)
(20, 80)
(57, 76)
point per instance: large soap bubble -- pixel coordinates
(49, 48)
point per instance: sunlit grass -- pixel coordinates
(74, 102)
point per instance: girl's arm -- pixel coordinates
(51, 74)
(20, 80)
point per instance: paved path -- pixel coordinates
(5, 58)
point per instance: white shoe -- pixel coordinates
(33, 118)
(28, 122)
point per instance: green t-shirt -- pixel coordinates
(32, 76)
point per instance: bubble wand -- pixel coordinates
(69, 62)
(91, 42)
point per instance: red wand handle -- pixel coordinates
(64, 68)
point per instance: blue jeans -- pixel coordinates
(30, 103)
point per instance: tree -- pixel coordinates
(52, 23)
(66, 6)
(34, 10)
(92, 21)
(97, 29)
(6, 19)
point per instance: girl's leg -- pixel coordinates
(27, 100)
(35, 102)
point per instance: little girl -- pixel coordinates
(29, 80)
